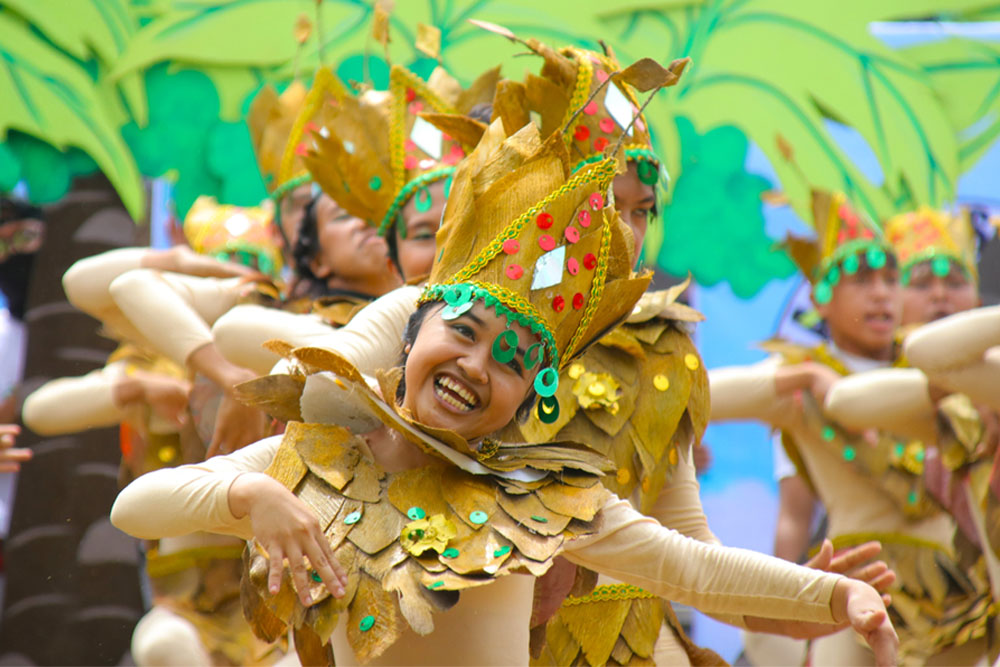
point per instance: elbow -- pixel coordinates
(919, 349)
(128, 517)
(130, 283)
(36, 413)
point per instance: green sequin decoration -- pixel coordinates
(539, 519)
(822, 292)
(548, 409)
(353, 517)
(876, 258)
(546, 382)
(375, 183)
(828, 433)
(533, 355)
(502, 354)
(366, 623)
(900, 449)
(912, 498)
(416, 513)
(502, 551)
(450, 552)
(919, 456)
(423, 199)
(849, 454)
(478, 517)
(941, 266)
(435, 584)
(315, 576)
(648, 172)
(833, 276)
(851, 264)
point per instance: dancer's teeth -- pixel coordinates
(469, 397)
(444, 386)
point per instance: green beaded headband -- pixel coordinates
(847, 257)
(647, 164)
(417, 185)
(940, 265)
(290, 185)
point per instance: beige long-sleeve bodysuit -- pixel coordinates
(961, 353)
(857, 507)
(490, 626)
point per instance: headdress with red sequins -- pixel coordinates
(938, 237)
(540, 247)
(379, 151)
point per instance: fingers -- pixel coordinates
(328, 569)
(300, 575)
(822, 559)
(851, 558)
(276, 569)
(8, 433)
(884, 642)
(882, 582)
(16, 455)
(868, 572)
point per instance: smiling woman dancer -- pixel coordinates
(394, 524)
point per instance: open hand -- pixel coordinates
(287, 529)
(861, 606)
(236, 426)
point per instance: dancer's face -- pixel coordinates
(415, 253)
(865, 310)
(928, 297)
(452, 379)
(634, 201)
(349, 248)
(292, 208)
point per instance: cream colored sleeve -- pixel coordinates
(88, 287)
(71, 404)
(241, 333)
(952, 342)
(715, 579)
(961, 353)
(373, 339)
(747, 392)
(892, 399)
(679, 504)
(174, 312)
(186, 499)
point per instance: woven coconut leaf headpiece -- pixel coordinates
(938, 237)
(843, 237)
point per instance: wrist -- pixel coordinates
(842, 592)
(126, 390)
(242, 491)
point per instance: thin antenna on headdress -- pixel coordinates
(319, 33)
(644, 75)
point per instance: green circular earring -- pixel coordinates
(533, 356)
(648, 172)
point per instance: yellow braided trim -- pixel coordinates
(610, 592)
(314, 100)
(162, 566)
(398, 84)
(596, 290)
(855, 539)
(602, 172)
(581, 89)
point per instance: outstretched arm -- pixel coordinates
(897, 400)
(722, 580)
(761, 391)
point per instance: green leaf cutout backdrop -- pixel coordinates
(158, 87)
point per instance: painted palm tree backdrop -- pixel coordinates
(151, 88)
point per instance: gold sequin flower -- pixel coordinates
(597, 390)
(428, 534)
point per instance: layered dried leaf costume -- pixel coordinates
(379, 151)
(942, 596)
(538, 248)
(939, 237)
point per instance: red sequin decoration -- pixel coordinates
(581, 133)
(514, 271)
(607, 125)
(546, 242)
(511, 246)
(602, 76)
(558, 303)
(596, 200)
(572, 266)
(572, 234)
(584, 218)
(577, 301)
(589, 261)
(600, 143)
(409, 162)
(410, 94)
(544, 220)
(591, 108)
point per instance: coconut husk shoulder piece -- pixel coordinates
(844, 237)
(939, 237)
(637, 396)
(411, 540)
